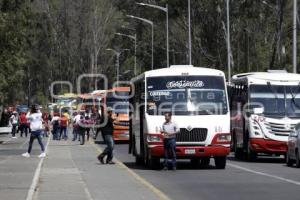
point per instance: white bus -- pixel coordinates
(198, 100)
(264, 107)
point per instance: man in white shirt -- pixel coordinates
(76, 120)
(169, 130)
(36, 126)
(14, 122)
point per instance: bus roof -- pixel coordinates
(266, 76)
(179, 70)
(119, 89)
(67, 95)
(98, 92)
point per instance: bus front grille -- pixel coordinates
(195, 135)
(279, 129)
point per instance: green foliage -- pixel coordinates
(50, 40)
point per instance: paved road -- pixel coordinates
(16, 173)
(268, 178)
(71, 171)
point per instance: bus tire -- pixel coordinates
(251, 155)
(154, 162)
(220, 162)
(297, 159)
(139, 160)
(204, 162)
(238, 152)
(289, 161)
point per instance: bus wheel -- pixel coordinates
(139, 160)
(251, 155)
(238, 153)
(297, 159)
(289, 161)
(205, 161)
(220, 162)
(154, 162)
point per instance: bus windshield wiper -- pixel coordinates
(294, 96)
(274, 92)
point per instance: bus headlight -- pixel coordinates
(256, 128)
(224, 138)
(153, 138)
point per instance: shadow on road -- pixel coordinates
(181, 165)
(259, 160)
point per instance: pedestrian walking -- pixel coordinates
(35, 118)
(14, 122)
(23, 124)
(82, 124)
(107, 134)
(169, 130)
(75, 121)
(55, 126)
(63, 127)
(45, 124)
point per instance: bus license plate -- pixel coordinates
(190, 151)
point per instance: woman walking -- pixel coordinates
(36, 126)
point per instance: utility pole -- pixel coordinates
(295, 13)
(190, 34)
(228, 42)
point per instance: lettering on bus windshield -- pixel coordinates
(185, 84)
(185, 95)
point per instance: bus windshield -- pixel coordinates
(277, 100)
(119, 101)
(186, 95)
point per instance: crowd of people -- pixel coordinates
(81, 123)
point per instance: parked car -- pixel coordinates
(293, 152)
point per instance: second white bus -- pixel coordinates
(265, 107)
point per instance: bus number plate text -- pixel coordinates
(190, 151)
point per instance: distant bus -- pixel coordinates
(265, 108)
(118, 99)
(197, 97)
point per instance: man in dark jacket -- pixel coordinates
(107, 134)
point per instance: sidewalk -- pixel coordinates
(72, 172)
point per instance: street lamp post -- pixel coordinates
(152, 37)
(228, 42)
(117, 53)
(190, 34)
(29, 92)
(133, 37)
(166, 10)
(295, 37)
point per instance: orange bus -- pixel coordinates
(118, 99)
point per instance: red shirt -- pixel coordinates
(63, 122)
(23, 119)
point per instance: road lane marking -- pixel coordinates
(36, 176)
(86, 190)
(6, 141)
(264, 174)
(140, 179)
(22, 145)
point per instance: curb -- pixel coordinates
(140, 179)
